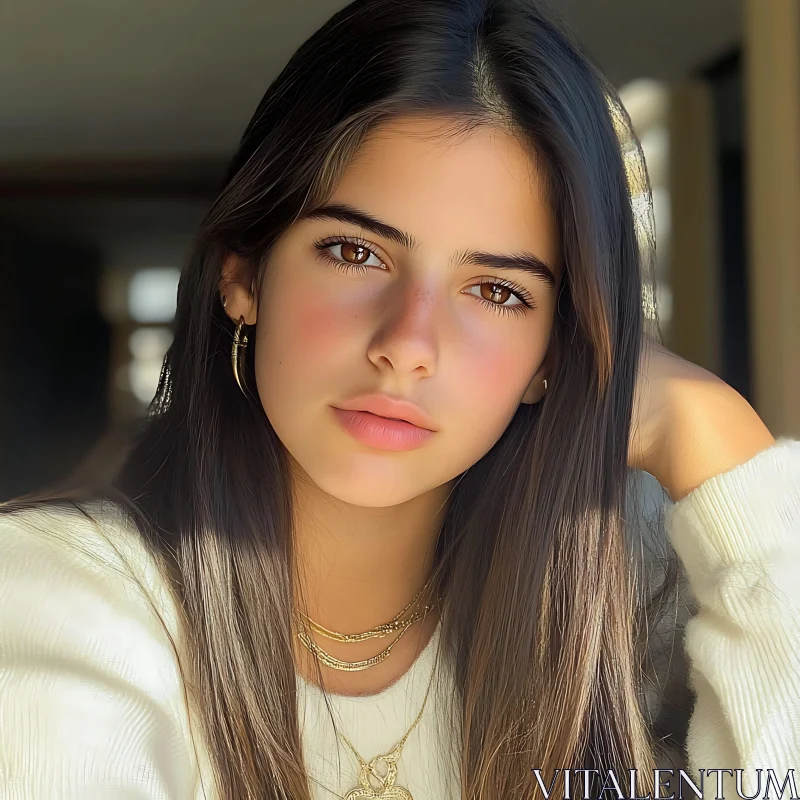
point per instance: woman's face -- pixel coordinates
(414, 319)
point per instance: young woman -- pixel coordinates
(371, 539)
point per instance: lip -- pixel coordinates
(396, 408)
(380, 432)
(384, 422)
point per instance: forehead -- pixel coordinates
(453, 190)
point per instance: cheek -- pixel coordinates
(307, 334)
(497, 364)
(496, 379)
(491, 382)
(317, 329)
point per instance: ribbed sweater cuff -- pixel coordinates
(749, 513)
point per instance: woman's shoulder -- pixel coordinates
(88, 526)
(91, 692)
(72, 551)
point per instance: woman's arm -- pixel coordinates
(738, 536)
(89, 693)
(688, 425)
(736, 528)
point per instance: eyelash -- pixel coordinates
(526, 301)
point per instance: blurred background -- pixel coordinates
(117, 119)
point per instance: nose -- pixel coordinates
(406, 338)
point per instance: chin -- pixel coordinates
(363, 482)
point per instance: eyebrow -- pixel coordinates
(525, 262)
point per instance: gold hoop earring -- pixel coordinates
(545, 384)
(237, 355)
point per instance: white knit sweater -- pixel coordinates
(91, 703)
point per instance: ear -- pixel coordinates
(535, 390)
(236, 285)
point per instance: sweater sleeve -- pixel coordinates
(89, 691)
(738, 537)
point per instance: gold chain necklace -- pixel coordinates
(381, 784)
(379, 631)
(346, 666)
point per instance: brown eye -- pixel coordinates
(354, 253)
(495, 292)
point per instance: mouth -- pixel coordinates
(389, 407)
(383, 433)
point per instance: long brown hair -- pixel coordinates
(544, 619)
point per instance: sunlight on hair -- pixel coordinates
(644, 143)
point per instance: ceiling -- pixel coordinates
(90, 79)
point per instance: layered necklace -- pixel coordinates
(377, 777)
(397, 623)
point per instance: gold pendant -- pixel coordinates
(379, 784)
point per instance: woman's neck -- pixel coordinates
(357, 568)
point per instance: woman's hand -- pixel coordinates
(689, 425)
